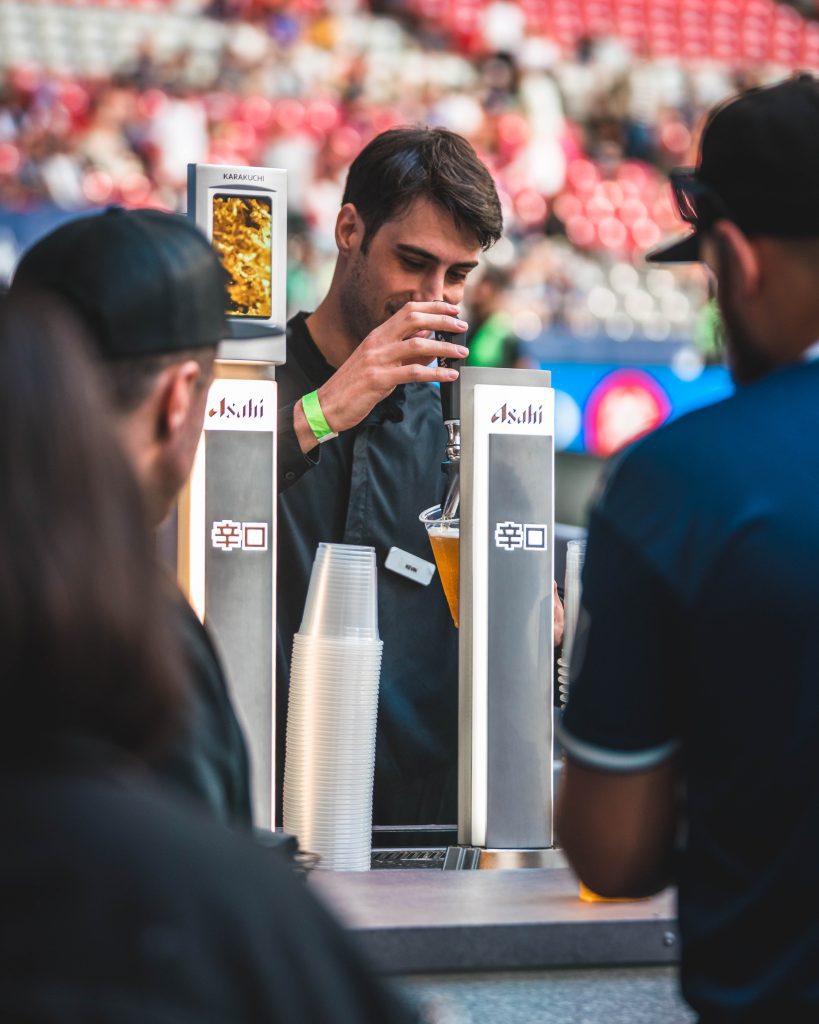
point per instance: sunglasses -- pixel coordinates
(697, 203)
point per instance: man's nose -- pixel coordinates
(431, 288)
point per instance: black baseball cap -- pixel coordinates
(145, 282)
(758, 167)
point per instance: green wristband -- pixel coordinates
(315, 417)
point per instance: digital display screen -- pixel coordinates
(242, 236)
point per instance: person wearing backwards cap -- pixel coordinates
(680, 766)
(152, 293)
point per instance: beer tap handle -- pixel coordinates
(451, 409)
(450, 390)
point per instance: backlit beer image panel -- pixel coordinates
(242, 236)
(243, 211)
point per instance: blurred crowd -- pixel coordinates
(109, 103)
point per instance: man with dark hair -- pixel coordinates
(703, 547)
(417, 210)
(152, 293)
(405, 164)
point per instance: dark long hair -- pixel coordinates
(404, 164)
(84, 637)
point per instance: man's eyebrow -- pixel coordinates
(414, 250)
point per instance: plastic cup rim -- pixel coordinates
(423, 517)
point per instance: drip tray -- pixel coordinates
(432, 857)
(467, 858)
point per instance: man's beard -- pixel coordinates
(745, 361)
(357, 315)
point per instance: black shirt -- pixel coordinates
(368, 486)
(208, 761)
(701, 633)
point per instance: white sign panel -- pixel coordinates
(498, 409)
(241, 405)
(514, 410)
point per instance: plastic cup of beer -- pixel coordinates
(444, 538)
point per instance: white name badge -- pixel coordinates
(411, 566)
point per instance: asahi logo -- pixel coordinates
(225, 410)
(236, 176)
(242, 405)
(508, 414)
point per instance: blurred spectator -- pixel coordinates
(105, 144)
(177, 135)
(491, 338)
(709, 330)
(118, 905)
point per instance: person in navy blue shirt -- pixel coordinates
(691, 732)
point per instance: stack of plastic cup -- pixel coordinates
(332, 710)
(572, 593)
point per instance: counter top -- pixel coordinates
(420, 921)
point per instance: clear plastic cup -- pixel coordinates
(572, 595)
(325, 804)
(332, 710)
(444, 538)
(343, 653)
(341, 597)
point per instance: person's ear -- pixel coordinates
(349, 230)
(735, 249)
(177, 394)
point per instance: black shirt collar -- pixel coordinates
(319, 371)
(307, 351)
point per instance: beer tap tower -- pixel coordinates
(500, 469)
(226, 548)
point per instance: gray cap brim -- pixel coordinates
(684, 250)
